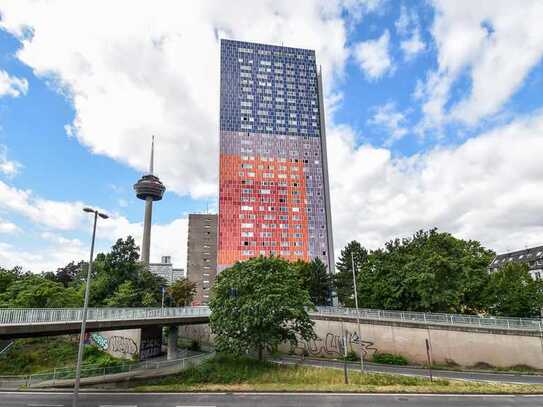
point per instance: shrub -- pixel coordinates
(389, 359)
(95, 356)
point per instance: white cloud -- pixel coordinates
(408, 28)
(54, 214)
(496, 43)
(413, 45)
(54, 251)
(7, 227)
(55, 218)
(404, 21)
(373, 56)
(11, 85)
(391, 120)
(168, 239)
(490, 188)
(155, 69)
(8, 167)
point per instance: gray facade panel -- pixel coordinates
(202, 254)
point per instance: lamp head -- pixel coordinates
(89, 210)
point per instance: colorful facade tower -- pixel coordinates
(274, 193)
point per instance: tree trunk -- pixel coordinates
(259, 352)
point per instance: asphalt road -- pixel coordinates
(15, 399)
(411, 371)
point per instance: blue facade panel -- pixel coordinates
(268, 89)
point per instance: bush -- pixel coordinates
(389, 359)
(95, 356)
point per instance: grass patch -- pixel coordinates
(389, 359)
(33, 355)
(224, 373)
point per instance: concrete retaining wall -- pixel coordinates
(448, 346)
(129, 343)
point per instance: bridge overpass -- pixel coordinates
(31, 322)
(461, 339)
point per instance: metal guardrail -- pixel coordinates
(96, 371)
(525, 324)
(22, 316)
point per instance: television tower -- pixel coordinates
(149, 188)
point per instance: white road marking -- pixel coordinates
(45, 405)
(101, 393)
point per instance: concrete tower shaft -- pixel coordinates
(149, 188)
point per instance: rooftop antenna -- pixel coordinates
(152, 155)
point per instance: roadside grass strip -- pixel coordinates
(224, 373)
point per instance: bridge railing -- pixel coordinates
(526, 324)
(18, 316)
(52, 377)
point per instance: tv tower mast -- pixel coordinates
(149, 188)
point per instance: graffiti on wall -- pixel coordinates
(150, 346)
(118, 344)
(332, 344)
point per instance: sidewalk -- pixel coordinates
(163, 368)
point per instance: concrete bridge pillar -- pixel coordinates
(172, 342)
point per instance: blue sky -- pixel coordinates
(434, 117)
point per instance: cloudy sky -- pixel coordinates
(434, 116)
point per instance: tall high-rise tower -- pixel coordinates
(274, 194)
(149, 188)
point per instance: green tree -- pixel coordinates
(511, 291)
(343, 279)
(257, 304)
(67, 274)
(8, 277)
(115, 268)
(148, 300)
(182, 292)
(124, 296)
(38, 292)
(316, 280)
(431, 271)
(149, 286)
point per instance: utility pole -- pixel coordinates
(357, 316)
(85, 307)
(345, 375)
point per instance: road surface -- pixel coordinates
(412, 371)
(26, 399)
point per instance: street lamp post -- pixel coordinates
(357, 316)
(85, 306)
